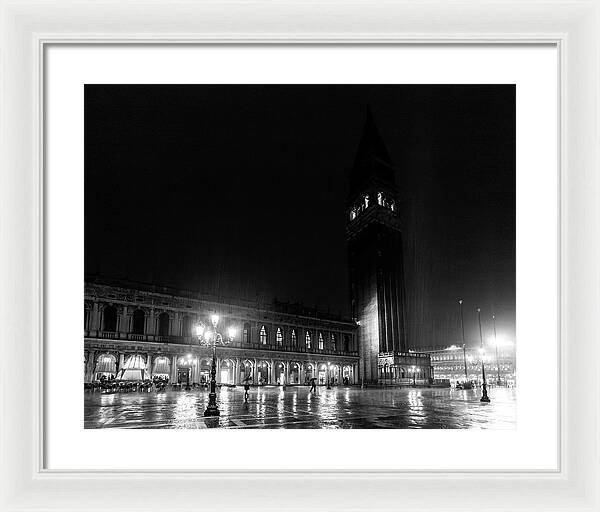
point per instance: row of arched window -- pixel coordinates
(264, 338)
(109, 322)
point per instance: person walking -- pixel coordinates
(247, 388)
(313, 385)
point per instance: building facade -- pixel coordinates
(152, 331)
(452, 362)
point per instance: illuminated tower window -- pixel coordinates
(294, 337)
(308, 339)
(332, 341)
(320, 341)
(246, 333)
(279, 336)
(263, 335)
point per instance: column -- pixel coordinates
(272, 376)
(121, 360)
(151, 323)
(286, 369)
(173, 369)
(89, 374)
(94, 321)
(123, 320)
(174, 324)
(236, 371)
(254, 372)
(149, 364)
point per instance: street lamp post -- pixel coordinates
(484, 396)
(462, 326)
(211, 339)
(499, 382)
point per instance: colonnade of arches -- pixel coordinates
(193, 369)
(393, 374)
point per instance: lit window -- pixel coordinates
(294, 337)
(320, 341)
(333, 341)
(279, 336)
(380, 198)
(366, 201)
(308, 339)
(263, 335)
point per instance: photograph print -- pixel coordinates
(299, 256)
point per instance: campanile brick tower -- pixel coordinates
(375, 252)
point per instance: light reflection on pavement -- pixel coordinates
(296, 407)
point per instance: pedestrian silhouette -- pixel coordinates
(313, 385)
(247, 388)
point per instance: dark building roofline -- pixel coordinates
(275, 306)
(372, 157)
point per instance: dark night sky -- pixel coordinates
(241, 190)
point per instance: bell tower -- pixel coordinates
(375, 252)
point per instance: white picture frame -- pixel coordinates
(26, 28)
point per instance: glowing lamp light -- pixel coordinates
(208, 335)
(231, 332)
(214, 319)
(200, 330)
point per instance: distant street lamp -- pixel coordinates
(484, 396)
(211, 339)
(462, 326)
(499, 382)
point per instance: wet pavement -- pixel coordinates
(296, 407)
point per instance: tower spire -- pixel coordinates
(372, 157)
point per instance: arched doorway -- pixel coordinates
(106, 367)
(309, 373)
(134, 369)
(226, 372)
(161, 370)
(205, 366)
(322, 377)
(347, 375)
(185, 370)
(279, 374)
(294, 373)
(334, 375)
(246, 371)
(262, 373)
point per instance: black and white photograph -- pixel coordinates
(300, 256)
